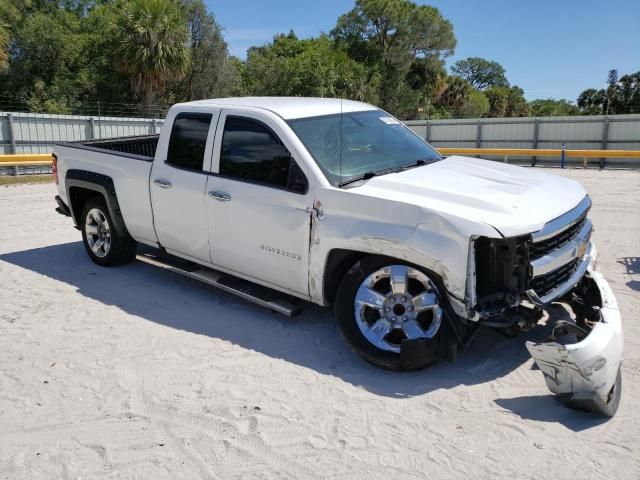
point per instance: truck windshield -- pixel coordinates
(356, 145)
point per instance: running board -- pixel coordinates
(263, 296)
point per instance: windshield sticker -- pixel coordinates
(390, 120)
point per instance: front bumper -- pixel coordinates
(586, 373)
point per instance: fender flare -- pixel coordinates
(101, 184)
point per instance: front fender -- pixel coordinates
(377, 226)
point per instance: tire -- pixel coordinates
(597, 406)
(392, 324)
(104, 244)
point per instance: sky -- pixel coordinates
(550, 48)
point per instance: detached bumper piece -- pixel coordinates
(581, 361)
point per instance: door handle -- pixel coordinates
(220, 196)
(162, 183)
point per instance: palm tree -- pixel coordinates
(4, 43)
(152, 45)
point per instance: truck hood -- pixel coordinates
(513, 200)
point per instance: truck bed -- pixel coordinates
(127, 161)
(139, 147)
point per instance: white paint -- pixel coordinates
(426, 215)
(590, 366)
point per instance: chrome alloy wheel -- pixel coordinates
(98, 233)
(397, 303)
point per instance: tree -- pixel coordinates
(9, 16)
(506, 102)
(552, 108)
(310, 67)
(454, 95)
(590, 101)
(48, 62)
(460, 99)
(151, 44)
(210, 73)
(4, 43)
(480, 73)
(622, 95)
(476, 105)
(389, 36)
(629, 93)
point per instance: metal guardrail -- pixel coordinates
(585, 155)
(17, 161)
(542, 152)
(46, 159)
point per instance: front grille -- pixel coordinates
(540, 249)
(543, 284)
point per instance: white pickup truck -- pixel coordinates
(285, 200)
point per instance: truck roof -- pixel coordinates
(287, 107)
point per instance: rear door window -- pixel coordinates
(188, 140)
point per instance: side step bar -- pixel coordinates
(263, 296)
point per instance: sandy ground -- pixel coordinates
(133, 372)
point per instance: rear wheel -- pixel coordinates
(105, 245)
(385, 309)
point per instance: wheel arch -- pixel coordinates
(340, 261)
(82, 185)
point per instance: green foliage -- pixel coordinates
(622, 95)
(210, 73)
(313, 68)
(75, 56)
(506, 102)
(151, 38)
(49, 61)
(9, 14)
(4, 43)
(552, 108)
(476, 105)
(480, 73)
(388, 36)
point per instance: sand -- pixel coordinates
(133, 372)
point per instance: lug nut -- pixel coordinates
(392, 300)
(393, 319)
(404, 299)
(404, 319)
(410, 308)
(387, 309)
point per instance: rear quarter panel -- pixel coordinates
(130, 177)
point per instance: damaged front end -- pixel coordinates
(581, 361)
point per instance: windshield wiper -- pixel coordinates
(364, 176)
(375, 173)
(419, 163)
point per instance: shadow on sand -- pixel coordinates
(549, 408)
(310, 340)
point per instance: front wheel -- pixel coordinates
(105, 245)
(390, 313)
